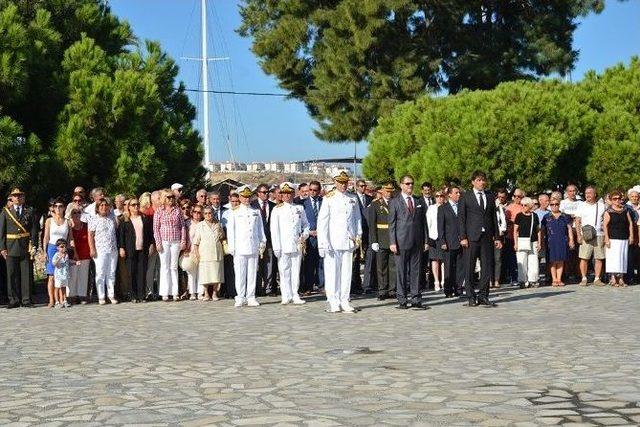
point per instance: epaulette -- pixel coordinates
(330, 193)
(280, 205)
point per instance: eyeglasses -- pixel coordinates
(554, 204)
(439, 195)
(408, 183)
(616, 198)
(133, 204)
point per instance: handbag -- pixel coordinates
(589, 232)
(524, 243)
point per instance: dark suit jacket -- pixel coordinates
(363, 215)
(127, 236)
(29, 220)
(448, 227)
(378, 219)
(266, 222)
(313, 219)
(221, 210)
(407, 230)
(473, 219)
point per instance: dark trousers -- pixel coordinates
(153, 273)
(633, 264)
(19, 279)
(356, 280)
(482, 249)
(4, 296)
(426, 276)
(370, 280)
(386, 269)
(313, 269)
(509, 260)
(408, 270)
(267, 273)
(454, 271)
(229, 288)
(137, 263)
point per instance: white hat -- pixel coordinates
(176, 186)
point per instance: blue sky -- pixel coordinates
(270, 128)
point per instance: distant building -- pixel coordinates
(274, 166)
(256, 167)
(233, 167)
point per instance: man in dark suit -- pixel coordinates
(18, 244)
(449, 240)
(378, 219)
(303, 193)
(479, 235)
(312, 263)
(267, 273)
(407, 237)
(364, 200)
(216, 205)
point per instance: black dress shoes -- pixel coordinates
(27, 305)
(403, 306)
(382, 297)
(419, 306)
(13, 305)
(471, 303)
(486, 303)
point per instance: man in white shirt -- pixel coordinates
(590, 213)
(501, 218)
(569, 205)
(289, 232)
(339, 230)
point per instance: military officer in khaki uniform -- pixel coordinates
(378, 217)
(246, 241)
(18, 243)
(339, 234)
(289, 232)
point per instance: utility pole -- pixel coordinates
(205, 83)
(204, 59)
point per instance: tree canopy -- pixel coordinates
(83, 102)
(531, 134)
(353, 61)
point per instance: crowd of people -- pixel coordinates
(294, 240)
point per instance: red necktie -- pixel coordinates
(410, 204)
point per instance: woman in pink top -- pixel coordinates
(170, 235)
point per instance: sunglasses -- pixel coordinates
(616, 198)
(554, 204)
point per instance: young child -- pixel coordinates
(60, 263)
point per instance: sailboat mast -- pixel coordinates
(205, 84)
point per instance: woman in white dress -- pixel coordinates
(207, 247)
(436, 254)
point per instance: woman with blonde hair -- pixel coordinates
(170, 234)
(618, 235)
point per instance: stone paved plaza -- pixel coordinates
(544, 356)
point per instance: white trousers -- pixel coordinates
(289, 270)
(106, 263)
(245, 269)
(192, 283)
(169, 269)
(78, 279)
(337, 277)
(528, 266)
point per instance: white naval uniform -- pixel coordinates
(245, 234)
(289, 228)
(339, 225)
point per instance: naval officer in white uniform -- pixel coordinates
(339, 233)
(289, 231)
(246, 241)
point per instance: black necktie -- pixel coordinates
(314, 204)
(481, 200)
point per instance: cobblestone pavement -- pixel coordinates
(544, 356)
